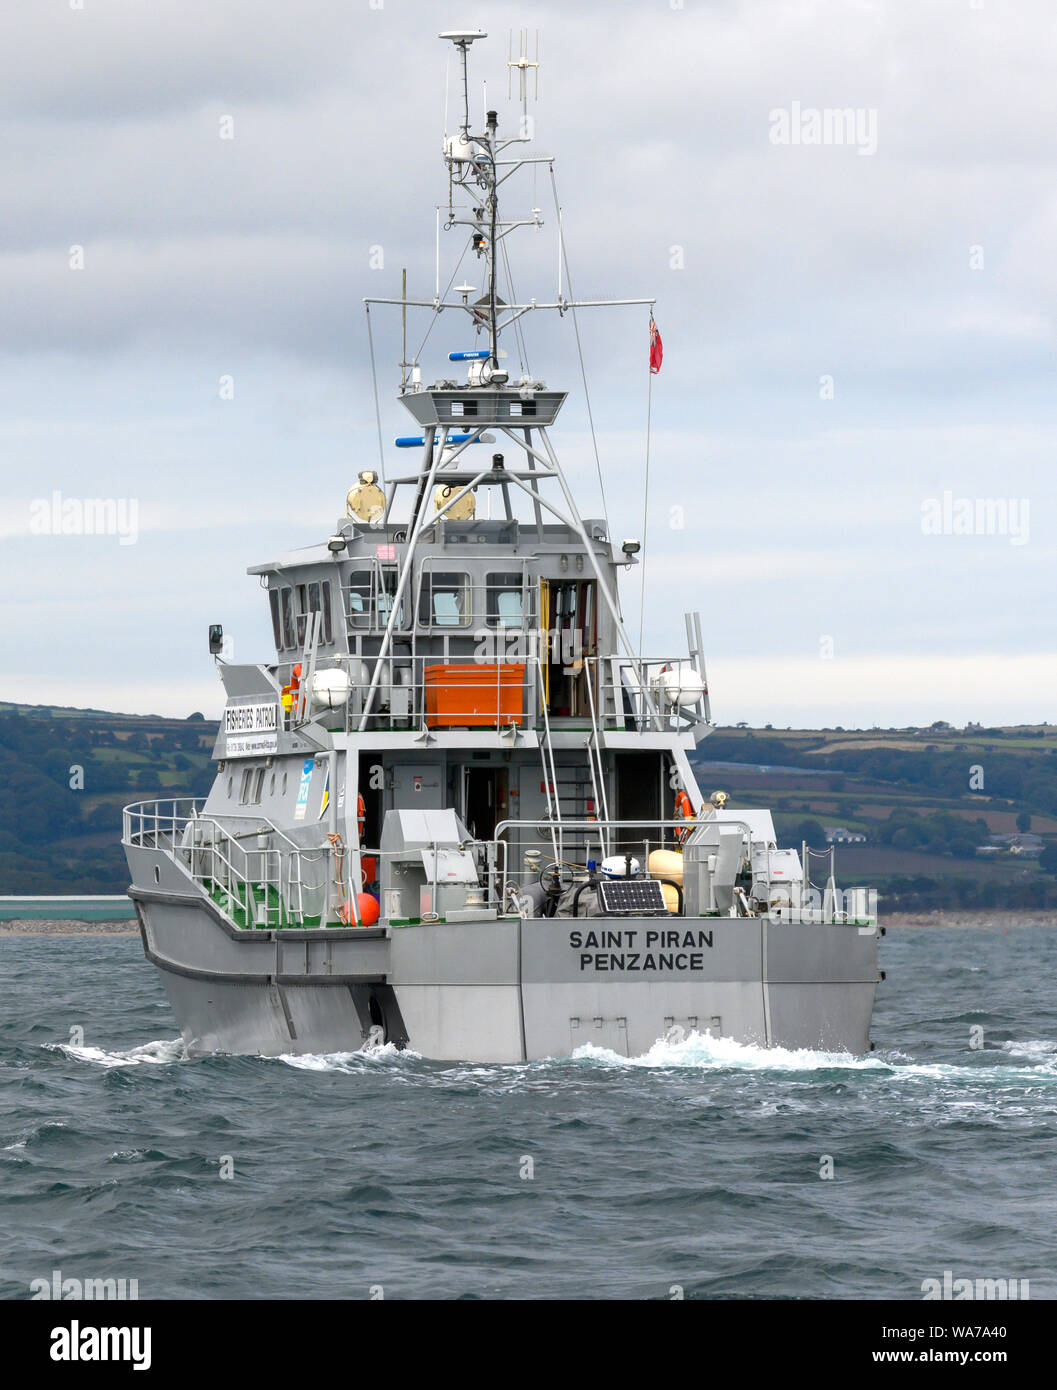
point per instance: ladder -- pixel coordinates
(594, 759)
(308, 665)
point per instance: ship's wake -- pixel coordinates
(702, 1051)
(350, 1062)
(159, 1053)
(1032, 1060)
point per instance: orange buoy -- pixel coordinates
(366, 904)
(684, 810)
(361, 816)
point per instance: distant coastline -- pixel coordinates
(986, 917)
(67, 927)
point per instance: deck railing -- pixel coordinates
(257, 875)
(497, 685)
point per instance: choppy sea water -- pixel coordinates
(695, 1167)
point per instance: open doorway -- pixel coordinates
(484, 800)
(569, 617)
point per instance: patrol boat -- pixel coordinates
(456, 812)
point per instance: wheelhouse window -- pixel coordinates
(359, 598)
(386, 594)
(444, 599)
(277, 625)
(302, 613)
(319, 602)
(369, 597)
(505, 600)
(328, 630)
(286, 603)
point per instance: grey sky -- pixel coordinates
(250, 257)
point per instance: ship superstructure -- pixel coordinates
(457, 811)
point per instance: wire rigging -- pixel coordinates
(377, 405)
(518, 331)
(437, 312)
(579, 348)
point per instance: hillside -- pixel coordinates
(65, 775)
(925, 799)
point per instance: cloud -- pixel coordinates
(250, 257)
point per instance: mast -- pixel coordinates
(523, 409)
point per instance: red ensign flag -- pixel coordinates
(656, 348)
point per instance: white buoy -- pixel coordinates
(681, 686)
(330, 689)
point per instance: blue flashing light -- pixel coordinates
(418, 441)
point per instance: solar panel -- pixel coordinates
(631, 897)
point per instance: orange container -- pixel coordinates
(478, 696)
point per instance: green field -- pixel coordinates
(924, 798)
(67, 773)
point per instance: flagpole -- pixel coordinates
(646, 491)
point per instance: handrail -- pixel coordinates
(281, 872)
(402, 675)
(594, 754)
(550, 779)
(596, 825)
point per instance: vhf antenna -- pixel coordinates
(522, 63)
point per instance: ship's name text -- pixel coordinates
(635, 948)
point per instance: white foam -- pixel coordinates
(704, 1052)
(347, 1062)
(1039, 1047)
(159, 1053)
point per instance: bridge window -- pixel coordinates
(444, 599)
(277, 626)
(360, 598)
(386, 595)
(302, 613)
(286, 604)
(504, 600)
(328, 631)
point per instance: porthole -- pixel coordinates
(157, 874)
(284, 784)
(231, 785)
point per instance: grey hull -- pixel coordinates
(510, 991)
